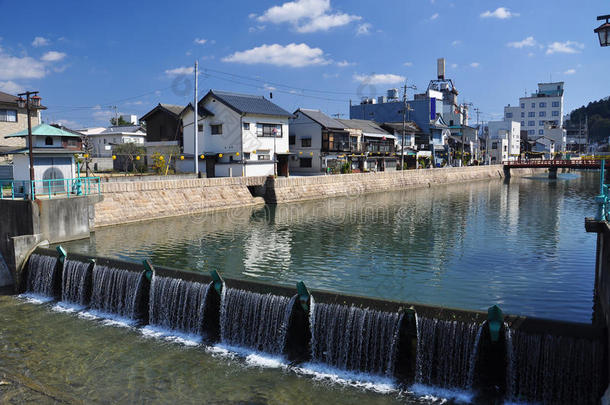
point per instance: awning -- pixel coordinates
(387, 136)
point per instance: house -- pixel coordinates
(505, 140)
(103, 139)
(377, 146)
(164, 125)
(13, 119)
(53, 151)
(238, 135)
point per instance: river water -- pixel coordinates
(521, 245)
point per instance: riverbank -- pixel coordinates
(134, 201)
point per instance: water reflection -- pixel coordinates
(520, 244)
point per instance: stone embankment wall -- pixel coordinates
(133, 201)
(291, 189)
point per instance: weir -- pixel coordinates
(493, 356)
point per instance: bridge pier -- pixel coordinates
(553, 172)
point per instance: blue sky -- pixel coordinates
(86, 56)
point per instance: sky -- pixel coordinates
(86, 57)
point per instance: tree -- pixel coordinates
(120, 122)
(128, 154)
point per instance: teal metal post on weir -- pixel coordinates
(495, 319)
(602, 198)
(218, 281)
(149, 269)
(62, 253)
(304, 295)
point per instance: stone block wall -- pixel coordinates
(133, 201)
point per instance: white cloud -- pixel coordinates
(408, 64)
(377, 78)
(344, 63)
(564, 47)
(456, 42)
(268, 87)
(527, 42)
(69, 123)
(531, 54)
(183, 70)
(501, 13)
(53, 56)
(454, 66)
(306, 15)
(569, 72)
(13, 67)
(10, 87)
(364, 29)
(293, 55)
(40, 41)
(200, 41)
(434, 17)
(330, 75)
(475, 64)
(257, 28)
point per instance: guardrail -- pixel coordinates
(592, 163)
(22, 189)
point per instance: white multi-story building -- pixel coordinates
(504, 140)
(103, 139)
(541, 114)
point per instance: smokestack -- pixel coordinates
(440, 68)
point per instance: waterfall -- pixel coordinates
(41, 275)
(116, 291)
(556, 370)
(256, 321)
(355, 339)
(445, 352)
(74, 282)
(177, 304)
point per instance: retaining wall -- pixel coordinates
(133, 201)
(292, 189)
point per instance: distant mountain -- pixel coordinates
(598, 113)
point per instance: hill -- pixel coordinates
(598, 113)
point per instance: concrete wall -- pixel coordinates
(144, 200)
(307, 188)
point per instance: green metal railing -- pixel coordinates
(22, 189)
(603, 199)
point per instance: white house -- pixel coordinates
(53, 150)
(103, 139)
(238, 135)
(504, 140)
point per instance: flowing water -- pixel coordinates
(355, 339)
(256, 321)
(41, 275)
(116, 291)
(74, 283)
(177, 304)
(520, 245)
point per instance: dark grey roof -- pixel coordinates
(176, 109)
(122, 129)
(170, 108)
(322, 119)
(370, 127)
(410, 126)
(201, 110)
(248, 104)
(7, 98)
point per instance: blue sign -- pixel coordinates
(432, 108)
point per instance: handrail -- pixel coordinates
(50, 187)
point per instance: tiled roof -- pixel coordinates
(322, 119)
(123, 129)
(367, 126)
(249, 104)
(44, 130)
(7, 98)
(176, 109)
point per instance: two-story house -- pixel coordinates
(13, 119)
(238, 135)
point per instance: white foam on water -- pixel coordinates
(251, 357)
(171, 335)
(441, 394)
(356, 379)
(67, 307)
(33, 298)
(108, 319)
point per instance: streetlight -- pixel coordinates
(603, 31)
(30, 103)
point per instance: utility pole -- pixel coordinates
(196, 124)
(116, 114)
(477, 111)
(30, 103)
(405, 108)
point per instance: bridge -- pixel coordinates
(553, 165)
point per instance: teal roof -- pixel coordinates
(43, 130)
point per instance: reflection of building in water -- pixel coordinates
(266, 247)
(509, 206)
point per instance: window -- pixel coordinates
(555, 113)
(292, 140)
(216, 129)
(48, 141)
(508, 115)
(451, 121)
(522, 114)
(505, 148)
(542, 113)
(246, 126)
(531, 132)
(531, 123)
(531, 114)
(269, 130)
(306, 142)
(522, 105)
(540, 123)
(555, 104)
(533, 105)
(494, 145)
(305, 162)
(542, 105)
(247, 155)
(264, 157)
(8, 115)
(200, 127)
(522, 123)
(541, 132)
